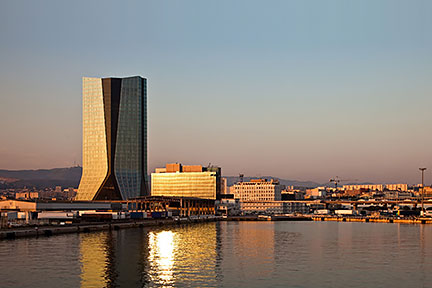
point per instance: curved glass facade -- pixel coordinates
(128, 166)
(95, 159)
(114, 139)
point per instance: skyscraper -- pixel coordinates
(114, 139)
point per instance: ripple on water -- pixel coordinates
(226, 254)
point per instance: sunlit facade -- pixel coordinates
(257, 190)
(114, 139)
(373, 187)
(186, 181)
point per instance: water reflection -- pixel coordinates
(161, 256)
(181, 256)
(227, 254)
(93, 260)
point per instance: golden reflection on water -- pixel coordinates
(93, 260)
(227, 254)
(164, 258)
(161, 256)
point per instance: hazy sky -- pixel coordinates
(301, 90)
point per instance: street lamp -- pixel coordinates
(422, 192)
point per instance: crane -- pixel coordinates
(241, 177)
(335, 180)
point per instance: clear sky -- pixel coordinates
(301, 90)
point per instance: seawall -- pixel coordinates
(50, 230)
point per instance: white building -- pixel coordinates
(273, 207)
(257, 190)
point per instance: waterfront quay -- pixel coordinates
(50, 230)
(348, 218)
(418, 220)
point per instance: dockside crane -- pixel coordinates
(336, 181)
(241, 177)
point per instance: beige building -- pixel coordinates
(318, 192)
(377, 187)
(372, 187)
(224, 185)
(397, 187)
(257, 190)
(186, 181)
(26, 195)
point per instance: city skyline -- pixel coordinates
(315, 91)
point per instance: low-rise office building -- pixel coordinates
(257, 190)
(372, 187)
(179, 180)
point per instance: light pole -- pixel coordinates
(422, 192)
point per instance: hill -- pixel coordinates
(309, 184)
(70, 177)
(41, 178)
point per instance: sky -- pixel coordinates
(304, 90)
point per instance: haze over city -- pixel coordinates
(297, 90)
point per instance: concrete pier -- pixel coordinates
(50, 230)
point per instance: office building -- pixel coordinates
(187, 181)
(114, 139)
(257, 190)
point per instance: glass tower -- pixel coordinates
(114, 139)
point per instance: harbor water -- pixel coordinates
(226, 254)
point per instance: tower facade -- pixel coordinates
(114, 139)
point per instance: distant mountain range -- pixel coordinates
(41, 178)
(70, 177)
(309, 184)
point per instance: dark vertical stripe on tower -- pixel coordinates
(111, 91)
(106, 90)
(111, 96)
